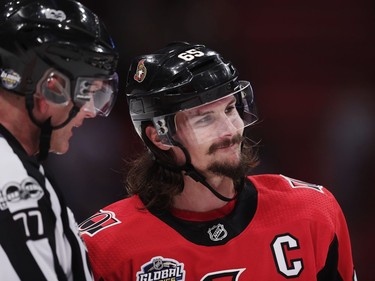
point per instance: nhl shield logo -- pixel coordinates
(141, 71)
(217, 232)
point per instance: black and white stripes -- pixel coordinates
(39, 237)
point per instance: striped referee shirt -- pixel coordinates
(39, 237)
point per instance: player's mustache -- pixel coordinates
(237, 139)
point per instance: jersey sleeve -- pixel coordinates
(327, 231)
(345, 260)
(39, 237)
(339, 263)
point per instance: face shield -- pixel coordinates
(96, 95)
(221, 118)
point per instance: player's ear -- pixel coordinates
(152, 134)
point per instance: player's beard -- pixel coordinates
(232, 170)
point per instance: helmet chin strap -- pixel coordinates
(44, 139)
(198, 177)
(190, 171)
(46, 128)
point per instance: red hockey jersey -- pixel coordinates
(278, 229)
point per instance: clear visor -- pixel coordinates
(96, 95)
(225, 117)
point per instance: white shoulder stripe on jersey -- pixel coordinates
(42, 254)
(63, 247)
(74, 227)
(7, 271)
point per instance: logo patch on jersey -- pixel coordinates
(301, 184)
(9, 78)
(217, 232)
(141, 71)
(161, 269)
(98, 222)
(19, 196)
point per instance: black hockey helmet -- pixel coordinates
(178, 77)
(59, 49)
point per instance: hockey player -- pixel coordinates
(194, 212)
(57, 67)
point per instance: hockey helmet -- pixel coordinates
(182, 77)
(59, 49)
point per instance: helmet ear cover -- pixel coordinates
(55, 88)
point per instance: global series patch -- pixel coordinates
(162, 269)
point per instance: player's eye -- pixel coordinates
(231, 109)
(203, 120)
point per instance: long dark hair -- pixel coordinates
(154, 179)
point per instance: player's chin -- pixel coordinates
(61, 147)
(233, 163)
(228, 169)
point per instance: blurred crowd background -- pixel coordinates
(311, 64)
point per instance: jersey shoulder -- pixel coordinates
(284, 184)
(9, 161)
(109, 220)
(19, 188)
(117, 233)
(285, 195)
